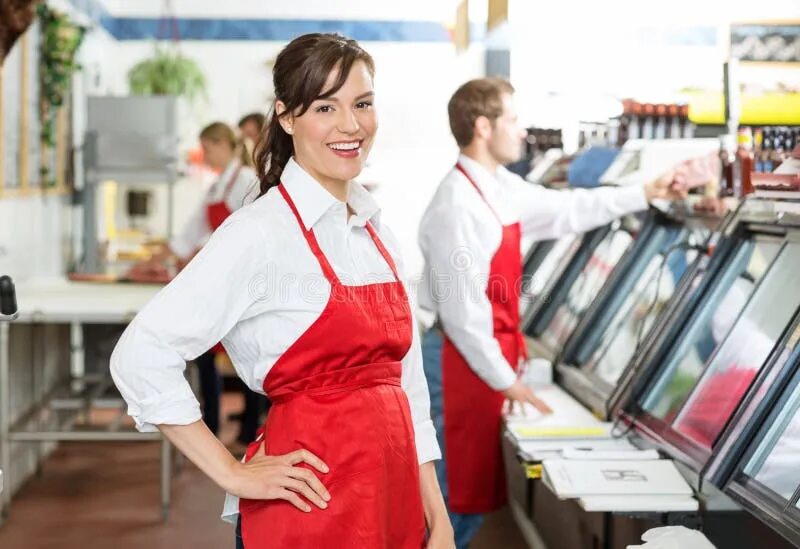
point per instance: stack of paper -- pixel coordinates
(620, 485)
(544, 431)
(573, 479)
(540, 449)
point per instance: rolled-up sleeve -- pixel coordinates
(191, 314)
(416, 387)
(413, 376)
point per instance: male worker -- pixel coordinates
(470, 238)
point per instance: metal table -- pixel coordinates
(58, 301)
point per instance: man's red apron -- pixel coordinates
(336, 392)
(473, 410)
(216, 213)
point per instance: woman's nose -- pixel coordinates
(348, 123)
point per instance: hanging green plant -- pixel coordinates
(167, 73)
(60, 40)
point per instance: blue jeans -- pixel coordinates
(239, 542)
(464, 525)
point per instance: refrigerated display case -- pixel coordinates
(618, 322)
(550, 321)
(765, 477)
(544, 261)
(696, 372)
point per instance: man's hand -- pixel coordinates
(519, 392)
(669, 186)
(676, 183)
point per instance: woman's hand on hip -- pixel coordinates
(277, 477)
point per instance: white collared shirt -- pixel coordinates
(196, 231)
(257, 286)
(459, 235)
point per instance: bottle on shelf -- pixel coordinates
(744, 160)
(687, 128)
(673, 115)
(766, 151)
(789, 142)
(777, 153)
(727, 156)
(648, 126)
(660, 130)
(635, 123)
(758, 140)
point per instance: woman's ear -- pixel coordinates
(286, 122)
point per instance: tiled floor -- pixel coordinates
(107, 496)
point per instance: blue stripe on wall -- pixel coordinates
(128, 28)
(143, 28)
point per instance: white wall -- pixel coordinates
(34, 234)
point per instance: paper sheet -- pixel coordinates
(579, 478)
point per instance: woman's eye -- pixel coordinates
(324, 108)
(363, 104)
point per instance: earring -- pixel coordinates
(289, 130)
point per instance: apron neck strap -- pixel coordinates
(460, 168)
(318, 253)
(382, 249)
(327, 270)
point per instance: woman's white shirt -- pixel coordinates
(257, 286)
(196, 230)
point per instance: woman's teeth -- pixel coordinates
(345, 146)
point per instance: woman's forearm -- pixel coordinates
(432, 500)
(203, 449)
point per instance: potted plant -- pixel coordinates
(167, 73)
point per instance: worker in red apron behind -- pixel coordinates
(224, 153)
(470, 238)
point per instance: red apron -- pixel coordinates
(336, 392)
(473, 410)
(216, 213)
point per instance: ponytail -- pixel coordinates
(244, 152)
(273, 151)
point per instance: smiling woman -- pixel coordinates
(323, 113)
(345, 458)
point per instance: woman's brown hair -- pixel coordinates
(299, 76)
(220, 131)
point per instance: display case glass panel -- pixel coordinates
(745, 349)
(774, 463)
(535, 281)
(706, 329)
(586, 287)
(640, 307)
